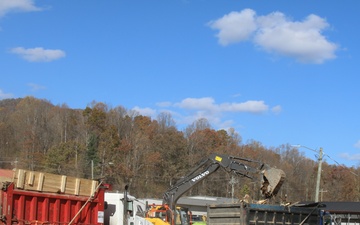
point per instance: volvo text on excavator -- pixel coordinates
(272, 179)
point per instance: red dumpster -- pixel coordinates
(21, 206)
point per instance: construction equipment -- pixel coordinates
(306, 213)
(272, 179)
(249, 214)
(163, 215)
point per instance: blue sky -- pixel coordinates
(283, 72)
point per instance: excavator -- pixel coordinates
(169, 214)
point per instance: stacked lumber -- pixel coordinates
(51, 183)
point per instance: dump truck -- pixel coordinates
(314, 213)
(271, 178)
(262, 214)
(34, 198)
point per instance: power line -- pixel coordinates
(341, 165)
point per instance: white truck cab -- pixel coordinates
(115, 210)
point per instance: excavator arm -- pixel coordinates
(272, 178)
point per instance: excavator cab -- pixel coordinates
(182, 216)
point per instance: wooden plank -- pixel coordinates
(40, 182)
(77, 186)
(20, 181)
(63, 184)
(31, 178)
(53, 183)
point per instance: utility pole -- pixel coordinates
(92, 169)
(318, 175)
(232, 182)
(320, 159)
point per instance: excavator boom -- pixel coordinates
(272, 178)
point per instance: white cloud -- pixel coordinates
(5, 95)
(38, 54)
(275, 33)
(235, 27)
(276, 109)
(35, 87)
(357, 144)
(197, 104)
(248, 106)
(353, 157)
(7, 6)
(145, 111)
(191, 109)
(208, 104)
(163, 104)
(301, 40)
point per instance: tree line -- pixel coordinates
(121, 147)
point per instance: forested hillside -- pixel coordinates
(123, 147)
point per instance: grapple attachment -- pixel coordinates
(272, 181)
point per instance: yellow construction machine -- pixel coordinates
(163, 215)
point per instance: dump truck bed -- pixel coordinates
(251, 214)
(35, 198)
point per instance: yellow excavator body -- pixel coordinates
(162, 215)
(157, 221)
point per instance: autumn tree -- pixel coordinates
(150, 154)
(337, 184)
(66, 158)
(32, 131)
(170, 145)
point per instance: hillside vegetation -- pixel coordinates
(122, 147)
